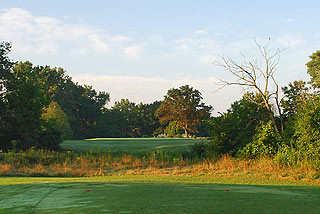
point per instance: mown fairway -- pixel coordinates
(115, 195)
(132, 145)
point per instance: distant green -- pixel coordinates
(131, 145)
(141, 195)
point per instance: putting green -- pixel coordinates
(155, 197)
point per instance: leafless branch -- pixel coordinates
(260, 76)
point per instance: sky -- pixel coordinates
(140, 49)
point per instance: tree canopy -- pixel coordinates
(183, 105)
(314, 69)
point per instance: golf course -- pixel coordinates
(132, 145)
(162, 193)
(67, 148)
(152, 195)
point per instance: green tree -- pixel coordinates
(147, 121)
(307, 132)
(6, 75)
(23, 101)
(234, 129)
(127, 112)
(50, 136)
(304, 143)
(26, 91)
(127, 119)
(173, 129)
(85, 107)
(184, 106)
(6, 66)
(265, 143)
(82, 104)
(295, 95)
(314, 69)
(54, 112)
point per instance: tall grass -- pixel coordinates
(73, 164)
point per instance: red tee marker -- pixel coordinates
(227, 190)
(88, 190)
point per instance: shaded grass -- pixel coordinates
(151, 194)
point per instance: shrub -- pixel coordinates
(265, 143)
(305, 142)
(202, 150)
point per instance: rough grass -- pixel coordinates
(153, 194)
(104, 164)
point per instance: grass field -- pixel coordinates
(132, 145)
(171, 194)
(151, 185)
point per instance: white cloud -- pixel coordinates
(98, 44)
(147, 90)
(37, 34)
(133, 51)
(28, 33)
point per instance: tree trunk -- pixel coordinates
(266, 102)
(274, 122)
(186, 133)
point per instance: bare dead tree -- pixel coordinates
(259, 75)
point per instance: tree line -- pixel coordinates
(41, 106)
(261, 124)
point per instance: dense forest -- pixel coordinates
(41, 106)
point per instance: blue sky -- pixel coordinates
(140, 49)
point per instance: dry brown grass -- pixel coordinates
(128, 165)
(5, 169)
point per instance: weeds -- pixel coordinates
(73, 164)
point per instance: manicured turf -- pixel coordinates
(132, 145)
(142, 195)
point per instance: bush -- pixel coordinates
(198, 150)
(305, 142)
(204, 151)
(265, 143)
